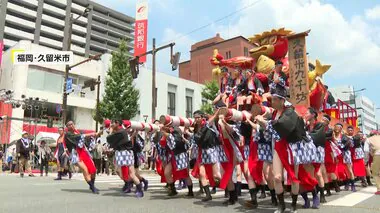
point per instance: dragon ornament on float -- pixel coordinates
(271, 47)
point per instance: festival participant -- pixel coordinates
(229, 134)
(62, 155)
(367, 156)
(317, 131)
(207, 151)
(288, 132)
(121, 141)
(357, 154)
(138, 146)
(345, 144)
(374, 143)
(177, 162)
(277, 76)
(253, 168)
(264, 150)
(75, 143)
(225, 80)
(332, 154)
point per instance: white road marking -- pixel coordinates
(353, 198)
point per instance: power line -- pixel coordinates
(216, 21)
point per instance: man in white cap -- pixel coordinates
(23, 147)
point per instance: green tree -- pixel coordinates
(120, 100)
(209, 92)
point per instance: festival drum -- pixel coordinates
(176, 121)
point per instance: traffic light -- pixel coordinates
(134, 67)
(175, 60)
(49, 122)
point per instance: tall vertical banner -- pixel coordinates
(1, 51)
(298, 70)
(141, 29)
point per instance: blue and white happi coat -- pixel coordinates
(264, 146)
(140, 155)
(74, 157)
(347, 158)
(182, 159)
(210, 155)
(359, 153)
(303, 152)
(124, 158)
(320, 155)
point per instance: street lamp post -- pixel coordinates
(354, 92)
(67, 68)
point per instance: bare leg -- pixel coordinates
(277, 175)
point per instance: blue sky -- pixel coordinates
(344, 33)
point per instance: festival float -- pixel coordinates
(304, 79)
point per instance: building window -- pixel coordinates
(246, 51)
(44, 81)
(228, 55)
(171, 103)
(189, 107)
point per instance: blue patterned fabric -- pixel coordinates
(359, 153)
(222, 157)
(182, 161)
(303, 152)
(74, 158)
(170, 141)
(124, 158)
(246, 152)
(264, 152)
(194, 151)
(347, 157)
(320, 155)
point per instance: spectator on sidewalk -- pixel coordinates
(374, 142)
(98, 155)
(14, 160)
(105, 159)
(44, 152)
(23, 149)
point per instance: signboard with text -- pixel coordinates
(298, 71)
(141, 30)
(37, 58)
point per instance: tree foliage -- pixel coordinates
(209, 92)
(120, 100)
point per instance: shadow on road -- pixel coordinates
(86, 191)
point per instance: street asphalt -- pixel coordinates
(44, 195)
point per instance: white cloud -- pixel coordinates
(348, 45)
(373, 13)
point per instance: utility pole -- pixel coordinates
(67, 68)
(154, 95)
(97, 102)
(154, 52)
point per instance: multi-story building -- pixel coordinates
(199, 69)
(365, 107)
(47, 22)
(45, 82)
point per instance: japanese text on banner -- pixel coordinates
(299, 89)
